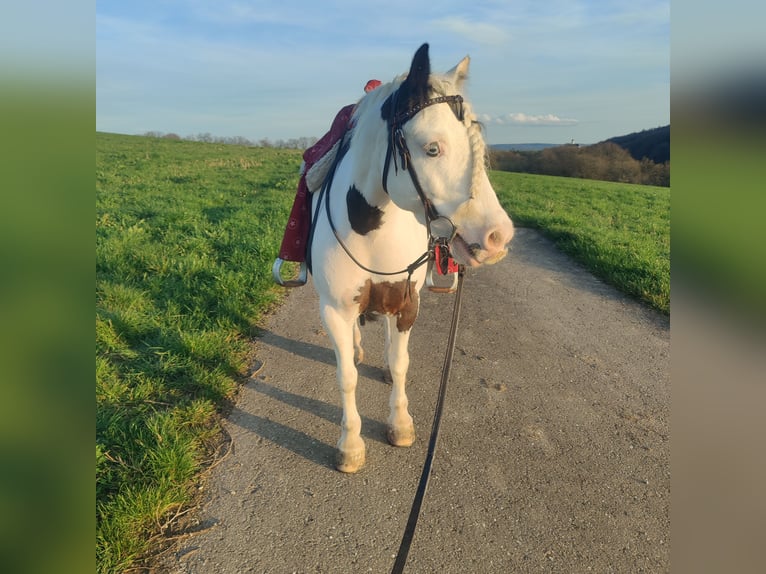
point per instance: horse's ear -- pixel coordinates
(417, 79)
(413, 90)
(460, 72)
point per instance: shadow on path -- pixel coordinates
(319, 353)
(293, 440)
(297, 441)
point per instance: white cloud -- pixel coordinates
(520, 118)
(479, 32)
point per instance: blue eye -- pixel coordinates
(433, 149)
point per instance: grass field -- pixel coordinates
(185, 237)
(619, 231)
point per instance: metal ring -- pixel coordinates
(437, 233)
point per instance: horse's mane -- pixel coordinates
(443, 87)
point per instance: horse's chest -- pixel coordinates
(386, 298)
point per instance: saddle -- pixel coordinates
(317, 161)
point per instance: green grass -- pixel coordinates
(620, 232)
(185, 237)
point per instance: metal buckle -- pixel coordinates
(276, 272)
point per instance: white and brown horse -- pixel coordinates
(413, 160)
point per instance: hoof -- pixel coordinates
(401, 436)
(387, 378)
(349, 462)
(358, 355)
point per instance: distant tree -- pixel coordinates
(509, 161)
(238, 140)
(604, 161)
(655, 173)
(300, 143)
(305, 143)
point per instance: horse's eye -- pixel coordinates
(433, 149)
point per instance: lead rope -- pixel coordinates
(412, 521)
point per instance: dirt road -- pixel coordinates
(554, 447)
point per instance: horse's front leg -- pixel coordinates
(340, 328)
(401, 430)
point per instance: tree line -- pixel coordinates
(603, 161)
(292, 143)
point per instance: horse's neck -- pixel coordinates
(359, 195)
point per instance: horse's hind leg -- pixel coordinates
(401, 430)
(341, 328)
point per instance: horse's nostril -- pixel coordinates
(498, 236)
(495, 240)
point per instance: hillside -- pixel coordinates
(653, 144)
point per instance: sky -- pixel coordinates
(541, 72)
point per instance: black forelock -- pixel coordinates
(413, 91)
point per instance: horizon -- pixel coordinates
(550, 72)
(191, 137)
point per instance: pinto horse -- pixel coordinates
(410, 171)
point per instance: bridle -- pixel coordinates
(396, 140)
(397, 143)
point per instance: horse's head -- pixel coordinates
(435, 165)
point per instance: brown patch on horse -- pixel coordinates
(390, 299)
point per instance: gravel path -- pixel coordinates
(553, 454)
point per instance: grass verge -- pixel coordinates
(620, 232)
(185, 237)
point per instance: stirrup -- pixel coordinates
(440, 286)
(276, 272)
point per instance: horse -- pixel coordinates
(409, 172)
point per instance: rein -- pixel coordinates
(412, 521)
(397, 140)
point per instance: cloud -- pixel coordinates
(479, 32)
(520, 118)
